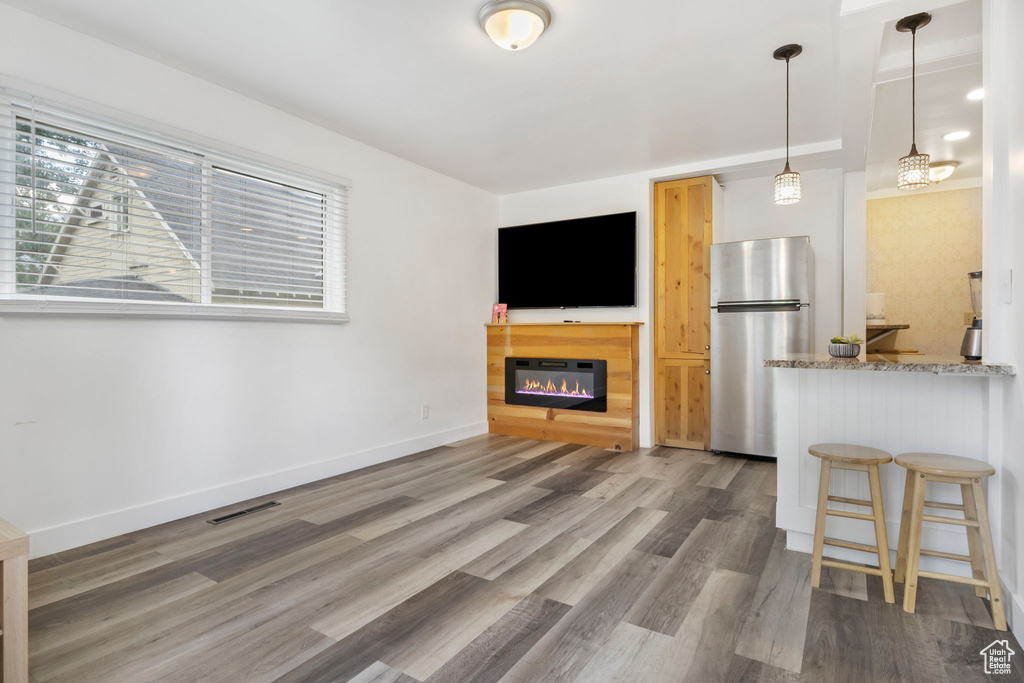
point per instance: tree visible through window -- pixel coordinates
(41, 193)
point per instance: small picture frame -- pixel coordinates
(499, 314)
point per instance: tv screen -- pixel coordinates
(584, 262)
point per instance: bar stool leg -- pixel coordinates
(994, 589)
(881, 536)
(14, 642)
(914, 541)
(901, 545)
(974, 539)
(819, 522)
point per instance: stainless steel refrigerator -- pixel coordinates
(760, 309)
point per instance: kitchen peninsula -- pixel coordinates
(900, 404)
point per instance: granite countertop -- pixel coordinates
(892, 363)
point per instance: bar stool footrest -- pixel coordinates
(953, 577)
(851, 501)
(950, 520)
(946, 556)
(943, 506)
(850, 515)
(874, 571)
(851, 545)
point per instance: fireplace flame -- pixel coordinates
(551, 389)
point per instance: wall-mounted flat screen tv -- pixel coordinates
(584, 262)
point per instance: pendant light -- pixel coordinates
(787, 183)
(913, 169)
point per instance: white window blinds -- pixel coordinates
(100, 215)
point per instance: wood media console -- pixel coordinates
(585, 376)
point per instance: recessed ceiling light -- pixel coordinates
(956, 135)
(977, 94)
(515, 24)
(940, 170)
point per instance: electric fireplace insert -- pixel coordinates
(565, 383)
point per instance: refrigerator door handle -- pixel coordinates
(749, 306)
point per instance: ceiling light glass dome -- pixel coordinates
(515, 24)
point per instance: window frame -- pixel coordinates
(121, 210)
(335, 190)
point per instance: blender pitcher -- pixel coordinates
(971, 348)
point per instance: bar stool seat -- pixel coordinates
(860, 459)
(925, 468)
(945, 465)
(848, 453)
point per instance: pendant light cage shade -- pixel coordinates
(913, 172)
(787, 187)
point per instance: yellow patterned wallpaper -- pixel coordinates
(919, 251)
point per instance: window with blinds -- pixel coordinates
(104, 216)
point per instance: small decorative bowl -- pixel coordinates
(844, 350)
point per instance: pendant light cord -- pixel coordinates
(787, 113)
(913, 88)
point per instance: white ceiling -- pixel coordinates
(611, 88)
(954, 29)
(949, 66)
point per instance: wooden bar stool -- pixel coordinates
(859, 459)
(968, 473)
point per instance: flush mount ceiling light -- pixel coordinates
(940, 170)
(956, 135)
(912, 172)
(787, 183)
(975, 95)
(515, 24)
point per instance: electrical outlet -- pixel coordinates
(425, 411)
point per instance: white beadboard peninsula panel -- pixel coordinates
(899, 412)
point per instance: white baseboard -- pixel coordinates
(84, 531)
(1014, 615)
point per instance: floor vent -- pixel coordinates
(242, 513)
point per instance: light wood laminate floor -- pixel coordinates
(494, 559)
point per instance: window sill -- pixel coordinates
(152, 309)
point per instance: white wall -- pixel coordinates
(1003, 253)
(109, 425)
(751, 214)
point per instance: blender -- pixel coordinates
(971, 348)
